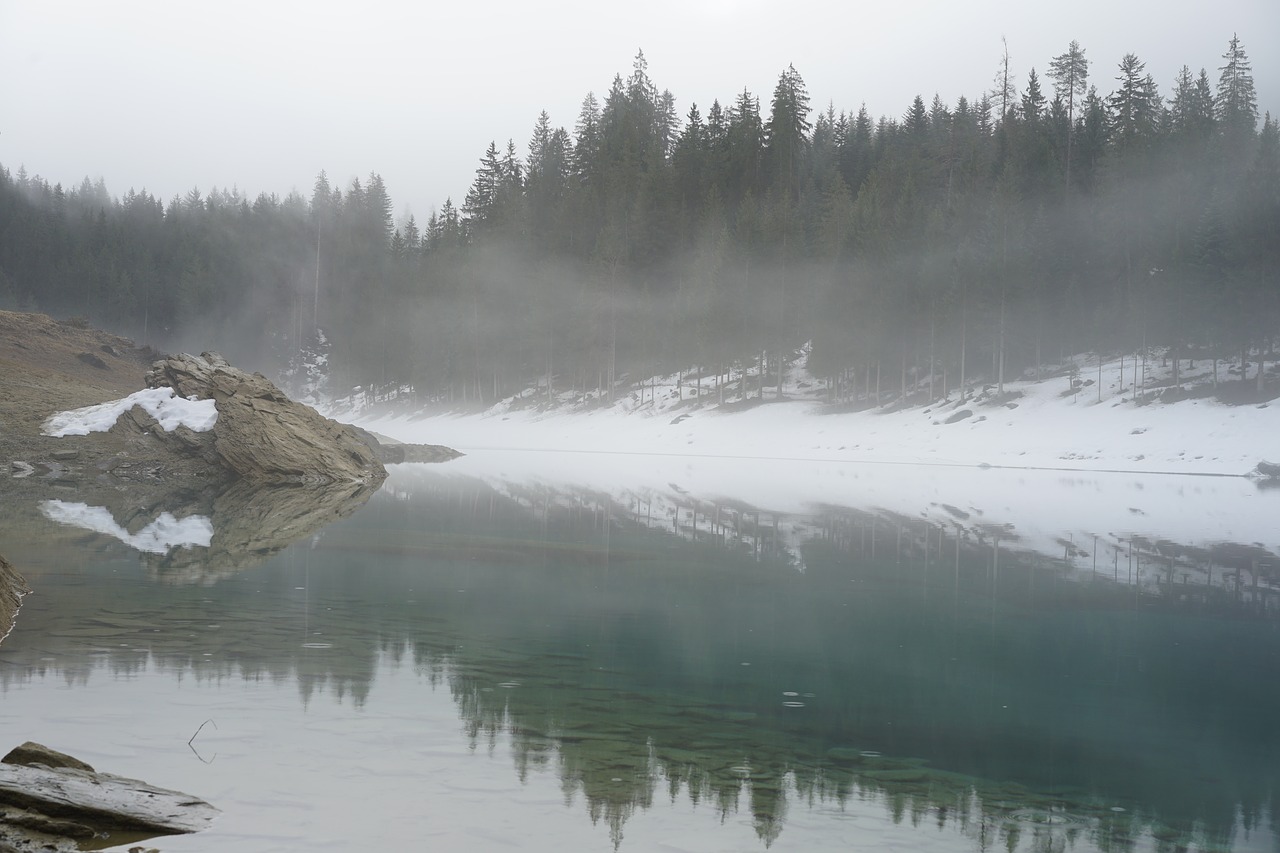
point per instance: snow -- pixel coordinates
(158, 537)
(1059, 474)
(163, 404)
(1034, 511)
(1037, 424)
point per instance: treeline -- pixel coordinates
(965, 239)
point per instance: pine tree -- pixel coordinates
(1191, 107)
(915, 123)
(744, 141)
(586, 143)
(1134, 107)
(1237, 102)
(1236, 110)
(1032, 100)
(786, 136)
(480, 205)
(1070, 74)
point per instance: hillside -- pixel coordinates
(48, 366)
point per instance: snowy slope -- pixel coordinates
(1058, 473)
(1042, 424)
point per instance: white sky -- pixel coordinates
(263, 95)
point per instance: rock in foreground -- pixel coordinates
(49, 801)
(260, 433)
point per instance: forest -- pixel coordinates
(955, 243)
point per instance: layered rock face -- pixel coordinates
(12, 588)
(260, 433)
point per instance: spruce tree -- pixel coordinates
(1070, 74)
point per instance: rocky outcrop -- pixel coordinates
(12, 588)
(260, 433)
(392, 452)
(50, 801)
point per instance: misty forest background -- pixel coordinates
(977, 239)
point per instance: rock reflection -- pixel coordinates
(251, 523)
(205, 536)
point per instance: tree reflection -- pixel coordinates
(756, 662)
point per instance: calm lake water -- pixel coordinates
(478, 665)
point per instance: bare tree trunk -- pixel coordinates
(1000, 369)
(932, 335)
(1262, 370)
(763, 373)
(613, 348)
(963, 335)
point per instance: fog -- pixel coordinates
(944, 239)
(169, 97)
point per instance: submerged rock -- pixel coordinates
(49, 800)
(260, 433)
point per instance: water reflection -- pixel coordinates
(199, 536)
(648, 645)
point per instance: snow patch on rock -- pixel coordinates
(169, 410)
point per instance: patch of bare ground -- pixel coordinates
(48, 366)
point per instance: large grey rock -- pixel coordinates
(47, 808)
(31, 753)
(260, 433)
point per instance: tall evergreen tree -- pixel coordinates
(1134, 106)
(1237, 102)
(786, 135)
(1070, 74)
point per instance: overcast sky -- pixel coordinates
(264, 94)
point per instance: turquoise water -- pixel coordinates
(464, 666)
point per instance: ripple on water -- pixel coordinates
(509, 684)
(317, 645)
(793, 704)
(1043, 817)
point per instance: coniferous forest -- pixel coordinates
(1078, 209)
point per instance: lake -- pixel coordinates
(550, 652)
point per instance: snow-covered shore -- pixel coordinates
(1060, 466)
(1037, 424)
(1057, 472)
